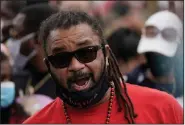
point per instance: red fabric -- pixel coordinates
(151, 106)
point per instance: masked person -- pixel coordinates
(7, 89)
(21, 42)
(36, 86)
(89, 84)
(123, 43)
(160, 39)
(24, 33)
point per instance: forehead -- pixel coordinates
(73, 37)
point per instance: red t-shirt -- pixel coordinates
(151, 106)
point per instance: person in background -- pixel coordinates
(34, 2)
(21, 50)
(9, 9)
(26, 24)
(36, 85)
(85, 6)
(89, 84)
(123, 43)
(7, 88)
(161, 37)
(121, 14)
(179, 73)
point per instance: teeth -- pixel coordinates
(78, 87)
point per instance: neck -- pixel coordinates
(161, 79)
(105, 98)
(127, 67)
(123, 67)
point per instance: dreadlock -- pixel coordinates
(117, 79)
(67, 19)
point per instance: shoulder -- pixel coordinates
(140, 93)
(152, 100)
(47, 114)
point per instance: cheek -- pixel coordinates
(61, 75)
(97, 66)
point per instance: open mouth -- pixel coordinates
(81, 84)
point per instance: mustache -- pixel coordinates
(78, 75)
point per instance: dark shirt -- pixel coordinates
(138, 77)
(21, 81)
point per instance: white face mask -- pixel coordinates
(19, 60)
(7, 93)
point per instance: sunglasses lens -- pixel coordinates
(151, 31)
(87, 55)
(83, 55)
(169, 34)
(60, 60)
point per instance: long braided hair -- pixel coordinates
(65, 20)
(122, 96)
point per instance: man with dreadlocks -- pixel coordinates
(90, 87)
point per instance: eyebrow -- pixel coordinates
(57, 49)
(84, 42)
(79, 44)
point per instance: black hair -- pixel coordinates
(35, 14)
(67, 19)
(32, 2)
(123, 42)
(64, 20)
(120, 9)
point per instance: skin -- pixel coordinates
(71, 39)
(27, 47)
(162, 79)
(5, 71)
(130, 65)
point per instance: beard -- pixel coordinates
(86, 97)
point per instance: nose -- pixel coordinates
(75, 65)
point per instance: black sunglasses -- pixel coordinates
(83, 55)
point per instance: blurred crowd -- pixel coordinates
(145, 36)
